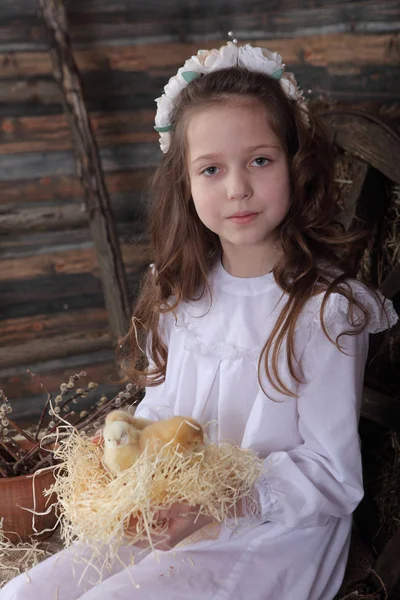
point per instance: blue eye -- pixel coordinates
(210, 171)
(261, 161)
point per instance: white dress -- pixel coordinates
(297, 547)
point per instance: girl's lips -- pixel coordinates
(244, 218)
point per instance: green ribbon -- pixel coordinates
(278, 74)
(163, 129)
(188, 76)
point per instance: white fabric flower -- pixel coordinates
(225, 57)
(165, 107)
(290, 87)
(165, 141)
(196, 63)
(175, 85)
(304, 113)
(257, 59)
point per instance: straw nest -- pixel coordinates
(96, 507)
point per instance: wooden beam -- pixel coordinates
(55, 294)
(65, 216)
(21, 330)
(89, 168)
(110, 90)
(66, 187)
(56, 347)
(350, 208)
(94, 20)
(44, 165)
(77, 260)
(367, 137)
(314, 50)
(41, 134)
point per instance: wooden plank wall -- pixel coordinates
(52, 315)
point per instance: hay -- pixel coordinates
(96, 507)
(18, 558)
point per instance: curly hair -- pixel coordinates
(185, 250)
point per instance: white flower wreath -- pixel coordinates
(230, 55)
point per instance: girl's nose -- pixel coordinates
(238, 187)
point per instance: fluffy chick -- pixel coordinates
(121, 446)
(182, 434)
(123, 415)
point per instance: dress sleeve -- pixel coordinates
(322, 477)
(156, 405)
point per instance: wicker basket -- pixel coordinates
(17, 492)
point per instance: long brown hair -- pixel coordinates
(185, 250)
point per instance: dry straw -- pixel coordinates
(17, 558)
(95, 507)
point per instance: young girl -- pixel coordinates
(252, 320)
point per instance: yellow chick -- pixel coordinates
(182, 434)
(121, 440)
(123, 415)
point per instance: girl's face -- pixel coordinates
(239, 177)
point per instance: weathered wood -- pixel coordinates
(358, 181)
(50, 164)
(55, 347)
(41, 326)
(54, 216)
(109, 90)
(133, 21)
(116, 9)
(89, 168)
(20, 245)
(336, 49)
(106, 90)
(50, 295)
(41, 134)
(83, 260)
(382, 409)
(387, 566)
(51, 216)
(361, 136)
(18, 384)
(59, 188)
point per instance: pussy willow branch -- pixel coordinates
(21, 431)
(39, 425)
(107, 406)
(2, 472)
(11, 451)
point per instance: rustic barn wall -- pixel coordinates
(52, 315)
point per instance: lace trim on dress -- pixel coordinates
(382, 313)
(220, 350)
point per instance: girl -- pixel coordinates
(252, 319)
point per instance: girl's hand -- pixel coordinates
(182, 520)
